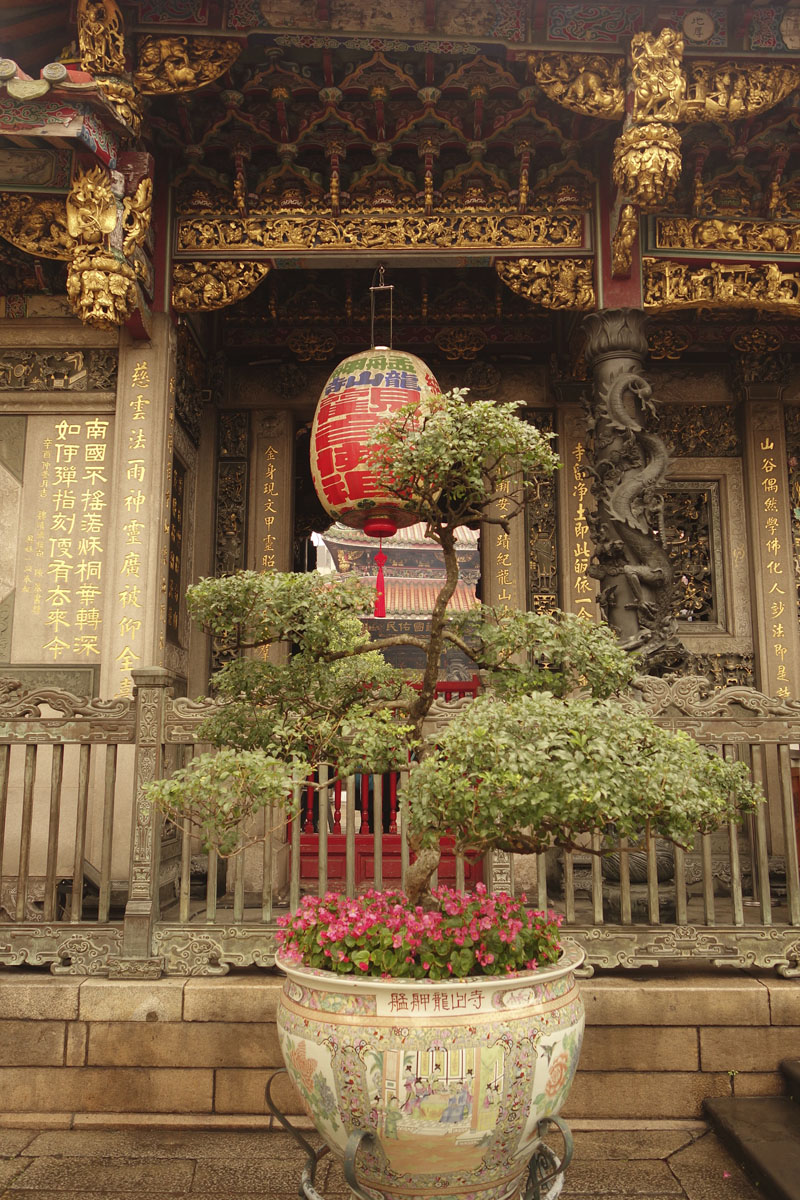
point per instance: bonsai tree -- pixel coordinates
(550, 752)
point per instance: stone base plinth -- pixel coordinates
(200, 1051)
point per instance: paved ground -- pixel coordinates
(662, 1161)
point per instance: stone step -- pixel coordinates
(790, 1069)
(763, 1134)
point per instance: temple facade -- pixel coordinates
(593, 211)
(589, 210)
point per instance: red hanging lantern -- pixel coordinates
(362, 392)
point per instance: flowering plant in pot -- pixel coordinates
(419, 1016)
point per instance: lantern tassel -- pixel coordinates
(380, 585)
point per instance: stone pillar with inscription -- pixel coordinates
(273, 494)
(272, 549)
(136, 564)
(629, 466)
(503, 557)
(768, 505)
(577, 587)
(504, 584)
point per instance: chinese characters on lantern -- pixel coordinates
(134, 480)
(580, 583)
(271, 501)
(63, 569)
(362, 391)
(779, 580)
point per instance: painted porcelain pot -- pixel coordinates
(451, 1077)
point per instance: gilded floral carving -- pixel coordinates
(101, 287)
(123, 99)
(205, 286)
(647, 164)
(91, 207)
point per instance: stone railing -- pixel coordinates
(93, 881)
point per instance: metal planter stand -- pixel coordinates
(545, 1170)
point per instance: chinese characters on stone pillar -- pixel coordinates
(63, 555)
(770, 532)
(134, 487)
(578, 587)
(270, 507)
(581, 587)
(779, 577)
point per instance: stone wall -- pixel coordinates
(200, 1051)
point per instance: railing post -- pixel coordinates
(151, 694)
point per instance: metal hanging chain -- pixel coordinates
(381, 287)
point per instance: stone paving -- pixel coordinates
(660, 1161)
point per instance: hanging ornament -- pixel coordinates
(362, 392)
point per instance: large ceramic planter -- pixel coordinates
(452, 1078)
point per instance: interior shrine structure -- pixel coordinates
(591, 210)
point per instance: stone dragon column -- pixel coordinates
(628, 469)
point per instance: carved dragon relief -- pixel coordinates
(632, 506)
(84, 229)
(629, 467)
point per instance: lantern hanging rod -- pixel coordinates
(380, 286)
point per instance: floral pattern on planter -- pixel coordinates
(458, 1089)
(330, 1001)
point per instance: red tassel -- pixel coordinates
(380, 586)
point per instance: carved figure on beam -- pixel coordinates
(550, 282)
(101, 37)
(182, 64)
(587, 84)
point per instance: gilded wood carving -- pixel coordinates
(379, 230)
(717, 233)
(205, 286)
(585, 83)
(37, 225)
(101, 37)
(182, 64)
(550, 282)
(672, 285)
(647, 164)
